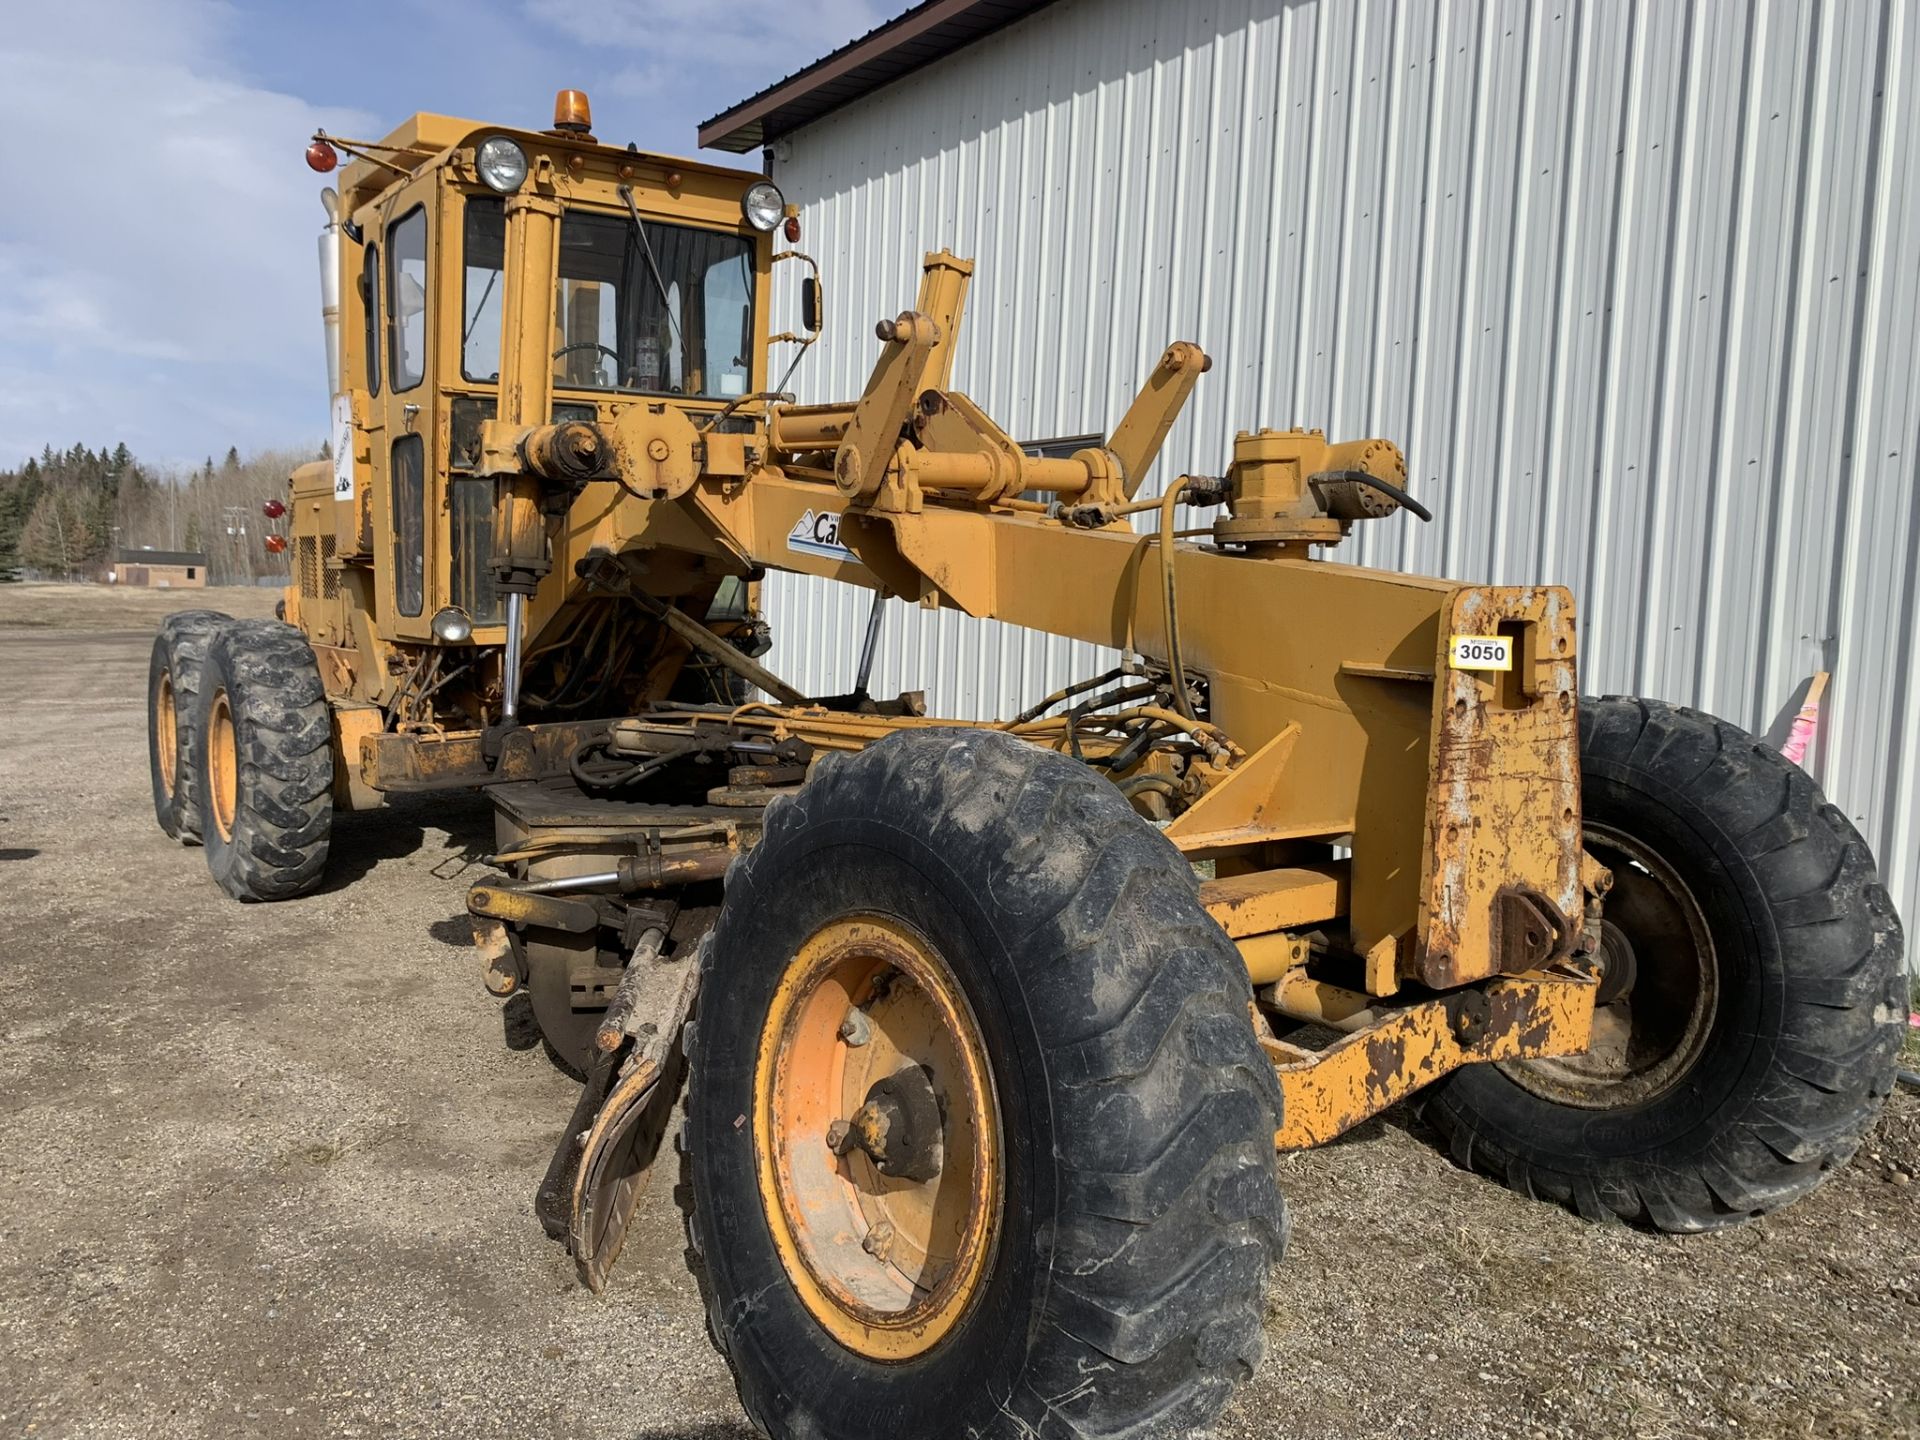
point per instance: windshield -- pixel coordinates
(670, 316)
(484, 242)
(660, 309)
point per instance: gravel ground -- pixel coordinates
(267, 1170)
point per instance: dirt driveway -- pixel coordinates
(267, 1170)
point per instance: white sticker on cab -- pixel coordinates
(1480, 652)
(343, 447)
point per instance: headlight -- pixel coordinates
(452, 626)
(502, 164)
(764, 205)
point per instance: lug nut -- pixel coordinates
(856, 1029)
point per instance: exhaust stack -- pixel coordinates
(330, 285)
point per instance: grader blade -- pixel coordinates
(606, 1158)
(615, 1166)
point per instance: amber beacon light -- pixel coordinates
(572, 113)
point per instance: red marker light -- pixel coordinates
(276, 544)
(792, 230)
(321, 156)
(273, 509)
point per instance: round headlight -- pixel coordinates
(502, 164)
(764, 205)
(452, 626)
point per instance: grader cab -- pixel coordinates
(987, 1031)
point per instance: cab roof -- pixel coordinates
(424, 136)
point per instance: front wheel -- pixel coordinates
(980, 1136)
(1750, 991)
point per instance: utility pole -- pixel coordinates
(236, 516)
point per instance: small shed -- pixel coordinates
(159, 569)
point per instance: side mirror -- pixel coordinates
(809, 302)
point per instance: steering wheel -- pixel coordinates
(590, 345)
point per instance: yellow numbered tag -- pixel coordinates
(1480, 652)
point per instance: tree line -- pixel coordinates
(65, 513)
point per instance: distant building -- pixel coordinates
(159, 569)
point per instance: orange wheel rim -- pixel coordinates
(887, 1244)
(167, 735)
(223, 764)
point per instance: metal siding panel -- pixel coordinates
(1632, 284)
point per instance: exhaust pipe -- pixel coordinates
(330, 286)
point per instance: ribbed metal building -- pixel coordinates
(1635, 285)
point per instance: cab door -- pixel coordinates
(410, 502)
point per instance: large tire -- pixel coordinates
(1140, 1210)
(1772, 1084)
(265, 757)
(173, 695)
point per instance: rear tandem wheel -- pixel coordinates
(264, 750)
(173, 702)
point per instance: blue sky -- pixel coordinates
(158, 279)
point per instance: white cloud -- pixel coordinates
(157, 274)
(157, 247)
(680, 45)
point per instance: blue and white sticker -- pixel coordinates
(818, 533)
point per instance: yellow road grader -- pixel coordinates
(985, 1034)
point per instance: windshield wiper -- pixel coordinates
(646, 248)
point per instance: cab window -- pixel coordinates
(408, 468)
(370, 306)
(407, 299)
(483, 243)
(662, 310)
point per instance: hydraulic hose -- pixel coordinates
(1374, 482)
(1169, 601)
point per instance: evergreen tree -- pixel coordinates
(18, 495)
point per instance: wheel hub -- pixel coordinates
(1657, 994)
(223, 765)
(899, 1128)
(878, 1138)
(1618, 966)
(166, 734)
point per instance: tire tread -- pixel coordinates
(1162, 1243)
(284, 732)
(1839, 1037)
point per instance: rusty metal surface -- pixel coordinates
(617, 1157)
(923, 1246)
(1500, 877)
(353, 725)
(411, 763)
(1522, 1016)
(517, 907)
